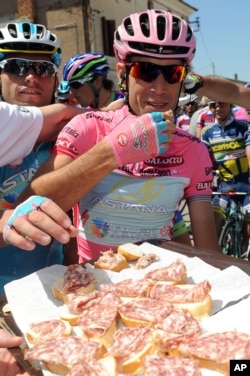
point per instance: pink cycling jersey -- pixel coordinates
(138, 201)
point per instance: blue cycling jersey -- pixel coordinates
(227, 145)
(15, 262)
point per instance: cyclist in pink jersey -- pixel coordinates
(125, 201)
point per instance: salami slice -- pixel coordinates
(170, 366)
(110, 260)
(65, 351)
(76, 277)
(49, 329)
(176, 272)
(105, 366)
(130, 346)
(92, 368)
(146, 260)
(220, 347)
(78, 303)
(176, 328)
(97, 320)
(144, 310)
(181, 294)
(130, 341)
(129, 288)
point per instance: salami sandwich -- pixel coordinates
(214, 350)
(76, 280)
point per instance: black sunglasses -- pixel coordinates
(20, 67)
(190, 103)
(216, 104)
(148, 72)
(76, 84)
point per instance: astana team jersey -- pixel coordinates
(15, 262)
(228, 146)
(138, 201)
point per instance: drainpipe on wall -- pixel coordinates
(86, 15)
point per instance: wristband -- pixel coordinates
(192, 83)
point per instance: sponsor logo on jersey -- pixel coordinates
(161, 161)
(99, 117)
(71, 131)
(62, 144)
(203, 185)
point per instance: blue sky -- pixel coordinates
(223, 42)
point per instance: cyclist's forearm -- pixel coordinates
(55, 116)
(67, 185)
(225, 90)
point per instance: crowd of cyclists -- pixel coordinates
(119, 194)
(224, 129)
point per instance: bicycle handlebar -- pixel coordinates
(231, 193)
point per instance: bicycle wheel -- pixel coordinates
(227, 238)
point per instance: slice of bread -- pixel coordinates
(213, 365)
(110, 260)
(107, 338)
(134, 364)
(59, 294)
(41, 331)
(105, 366)
(214, 350)
(59, 355)
(197, 309)
(170, 366)
(130, 251)
(65, 315)
(131, 345)
(192, 298)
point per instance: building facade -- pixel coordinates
(84, 25)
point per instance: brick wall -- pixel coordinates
(26, 9)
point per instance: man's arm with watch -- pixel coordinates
(217, 88)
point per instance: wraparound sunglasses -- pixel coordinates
(148, 72)
(20, 67)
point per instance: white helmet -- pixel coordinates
(186, 98)
(27, 37)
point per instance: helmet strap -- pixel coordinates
(53, 99)
(96, 93)
(125, 78)
(122, 83)
(177, 100)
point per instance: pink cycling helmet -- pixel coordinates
(155, 33)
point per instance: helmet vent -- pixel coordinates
(189, 34)
(12, 30)
(129, 27)
(40, 32)
(161, 27)
(144, 22)
(26, 30)
(176, 28)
